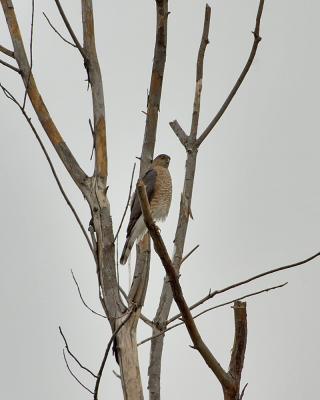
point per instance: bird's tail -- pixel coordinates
(126, 250)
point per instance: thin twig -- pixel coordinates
(99, 374)
(234, 285)
(93, 138)
(70, 30)
(128, 202)
(73, 356)
(6, 51)
(162, 332)
(242, 392)
(82, 299)
(257, 39)
(10, 66)
(31, 56)
(28, 119)
(116, 374)
(57, 32)
(189, 254)
(73, 375)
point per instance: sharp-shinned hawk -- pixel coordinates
(159, 191)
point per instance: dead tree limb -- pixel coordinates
(69, 28)
(73, 356)
(72, 166)
(12, 67)
(37, 136)
(245, 281)
(228, 382)
(103, 362)
(30, 52)
(56, 31)
(256, 41)
(188, 142)
(6, 51)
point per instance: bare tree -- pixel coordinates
(124, 310)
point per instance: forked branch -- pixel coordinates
(257, 39)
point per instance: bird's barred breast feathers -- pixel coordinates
(160, 203)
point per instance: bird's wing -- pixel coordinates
(149, 180)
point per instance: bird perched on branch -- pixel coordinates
(159, 191)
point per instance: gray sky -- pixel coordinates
(255, 205)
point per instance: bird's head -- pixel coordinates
(162, 160)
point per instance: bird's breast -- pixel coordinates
(161, 200)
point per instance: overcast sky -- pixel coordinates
(255, 204)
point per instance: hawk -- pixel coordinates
(159, 191)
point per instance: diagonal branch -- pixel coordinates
(70, 30)
(128, 202)
(245, 281)
(6, 51)
(257, 39)
(161, 250)
(113, 337)
(82, 299)
(38, 104)
(10, 66)
(73, 356)
(28, 119)
(162, 332)
(57, 32)
(73, 375)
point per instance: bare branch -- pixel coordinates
(155, 89)
(116, 374)
(70, 30)
(31, 55)
(73, 356)
(72, 166)
(199, 74)
(128, 202)
(28, 119)
(257, 39)
(95, 79)
(113, 337)
(237, 299)
(57, 32)
(10, 66)
(82, 299)
(161, 250)
(73, 375)
(6, 51)
(242, 392)
(189, 254)
(163, 331)
(234, 285)
(240, 342)
(271, 271)
(93, 135)
(181, 135)
(166, 297)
